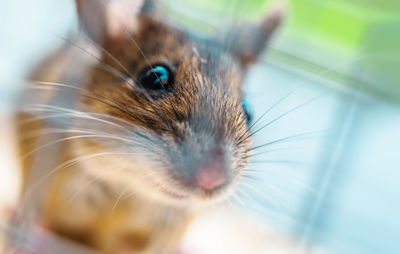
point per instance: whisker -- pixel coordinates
(45, 131)
(236, 197)
(258, 176)
(102, 100)
(297, 163)
(272, 107)
(274, 150)
(94, 179)
(132, 134)
(128, 188)
(132, 84)
(114, 59)
(69, 163)
(288, 139)
(291, 111)
(70, 138)
(81, 114)
(227, 199)
(130, 37)
(69, 112)
(261, 200)
(161, 206)
(265, 184)
(269, 202)
(108, 67)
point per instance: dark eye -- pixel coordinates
(158, 77)
(247, 112)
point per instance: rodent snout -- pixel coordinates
(205, 170)
(212, 174)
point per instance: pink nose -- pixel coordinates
(212, 173)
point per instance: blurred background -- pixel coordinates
(330, 172)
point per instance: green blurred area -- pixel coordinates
(358, 41)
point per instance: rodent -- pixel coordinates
(124, 139)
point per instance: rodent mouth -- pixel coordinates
(170, 193)
(199, 194)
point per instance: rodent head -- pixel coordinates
(177, 96)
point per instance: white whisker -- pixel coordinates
(70, 138)
(90, 182)
(128, 188)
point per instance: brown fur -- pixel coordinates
(203, 108)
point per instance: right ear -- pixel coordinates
(106, 20)
(248, 42)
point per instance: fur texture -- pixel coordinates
(112, 165)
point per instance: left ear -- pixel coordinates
(107, 20)
(249, 42)
(122, 16)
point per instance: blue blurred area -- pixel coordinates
(29, 30)
(346, 195)
(339, 188)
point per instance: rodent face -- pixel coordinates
(172, 102)
(193, 137)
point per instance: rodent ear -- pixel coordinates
(106, 20)
(250, 41)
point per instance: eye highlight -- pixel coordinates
(158, 77)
